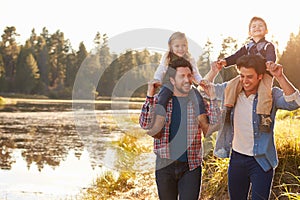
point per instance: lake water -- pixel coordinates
(50, 151)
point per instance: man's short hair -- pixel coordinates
(178, 62)
(257, 62)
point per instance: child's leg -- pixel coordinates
(164, 96)
(264, 102)
(232, 90)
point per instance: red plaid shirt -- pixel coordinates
(194, 132)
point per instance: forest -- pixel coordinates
(47, 65)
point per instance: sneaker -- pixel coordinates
(265, 123)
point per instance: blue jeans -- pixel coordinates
(244, 170)
(174, 180)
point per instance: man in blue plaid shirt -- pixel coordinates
(178, 146)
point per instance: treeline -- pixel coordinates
(48, 65)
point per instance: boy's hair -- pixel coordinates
(178, 62)
(175, 36)
(257, 62)
(257, 19)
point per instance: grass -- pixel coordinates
(287, 177)
(286, 184)
(112, 184)
(108, 185)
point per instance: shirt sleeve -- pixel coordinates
(270, 52)
(213, 112)
(231, 60)
(147, 112)
(161, 70)
(293, 97)
(196, 72)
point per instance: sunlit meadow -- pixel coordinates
(133, 185)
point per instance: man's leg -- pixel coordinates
(238, 179)
(261, 182)
(166, 179)
(189, 185)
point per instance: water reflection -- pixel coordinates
(50, 182)
(44, 138)
(43, 155)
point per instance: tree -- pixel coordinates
(229, 46)
(290, 59)
(10, 51)
(58, 48)
(27, 75)
(2, 76)
(74, 61)
(42, 58)
(205, 58)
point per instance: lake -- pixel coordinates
(55, 149)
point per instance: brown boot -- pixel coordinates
(158, 124)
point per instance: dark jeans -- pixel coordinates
(166, 93)
(174, 180)
(244, 170)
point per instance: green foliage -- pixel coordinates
(56, 63)
(27, 75)
(290, 59)
(229, 46)
(204, 60)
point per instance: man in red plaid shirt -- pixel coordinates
(178, 146)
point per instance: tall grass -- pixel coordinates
(112, 184)
(287, 134)
(286, 184)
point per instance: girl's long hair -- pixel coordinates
(169, 55)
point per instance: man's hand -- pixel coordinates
(275, 69)
(208, 88)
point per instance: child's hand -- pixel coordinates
(222, 63)
(208, 88)
(157, 83)
(268, 64)
(152, 85)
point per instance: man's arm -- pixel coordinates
(147, 113)
(277, 71)
(213, 115)
(289, 90)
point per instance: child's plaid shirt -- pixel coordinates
(194, 131)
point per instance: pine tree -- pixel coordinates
(27, 75)
(205, 59)
(10, 51)
(290, 59)
(229, 46)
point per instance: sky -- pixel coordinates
(215, 20)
